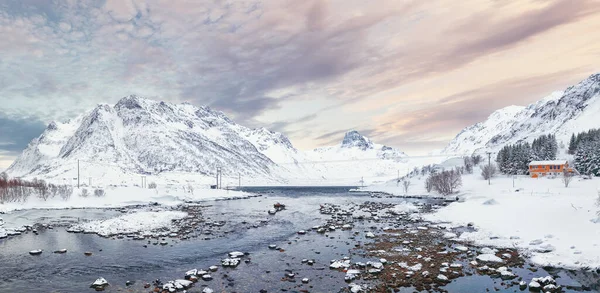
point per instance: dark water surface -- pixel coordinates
(121, 260)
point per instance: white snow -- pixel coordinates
(522, 219)
(549, 162)
(415, 268)
(125, 196)
(100, 282)
(405, 207)
(236, 254)
(136, 222)
(336, 264)
(539, 216)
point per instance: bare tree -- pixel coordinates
(84, 193)
(445, 182)
(598, 205)
(41, 188)
(488, 171)
(191, 188)
(152, 185)
(65, 191)
(468, 162)
(406, 185)
(429, 184)
(567, 177)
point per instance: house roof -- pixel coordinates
(553, 162)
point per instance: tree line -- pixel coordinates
(585, 146)
(19, 190)
(515, 158)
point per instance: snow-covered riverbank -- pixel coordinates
(553, 224)
(141, 222)
(124, 196)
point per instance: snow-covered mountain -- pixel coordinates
(143, 136)
(355, 146)
(357, 159)
(183, 143)
(574, 110)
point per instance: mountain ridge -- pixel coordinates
(561, 113)
(143, 136)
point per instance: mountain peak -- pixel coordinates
(355, 139)
(131, 102)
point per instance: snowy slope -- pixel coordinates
(561, 113)
(142, 136)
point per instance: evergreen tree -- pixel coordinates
(587, 158)
(572, 145)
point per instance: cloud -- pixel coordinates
(16, 133)
(492, 36)
(307, 68)
(451, 113)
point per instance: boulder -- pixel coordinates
(230, 262)
(100, 284)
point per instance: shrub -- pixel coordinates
(476, 159)
(406, 185)
(99, 192)
(468, 165)
(567, 177)
(84, 193)
(488, 171)
(152, 185)
(65, 191)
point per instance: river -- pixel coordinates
(122, 260)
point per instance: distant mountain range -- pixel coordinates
(142, 136)
(138, 136)
(575, 109)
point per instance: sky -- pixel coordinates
(409, 74)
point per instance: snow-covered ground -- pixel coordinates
(553, 224)
(125, 196)
(142, 222)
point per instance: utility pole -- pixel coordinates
(90, 179)
(398, 180)
(239, 180)
(217, 177)
(362, 181)
(489, 167)
(77, 173)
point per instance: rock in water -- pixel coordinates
(100, 284)
(236, 254)
(230, 262)
(36, 252)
